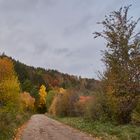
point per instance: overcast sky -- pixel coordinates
(57, 34)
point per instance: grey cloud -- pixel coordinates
(61, 51)
(81, 25)
(41, 48)
(24, 5)
(56, 33)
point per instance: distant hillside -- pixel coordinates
(31, 78)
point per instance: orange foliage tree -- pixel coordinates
(27, 101)
(6, 69)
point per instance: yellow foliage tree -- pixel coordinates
(43, 95)
(9, 85)
(9, 95)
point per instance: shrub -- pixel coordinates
(64, 103)
(27, 101)
(97, 108)
(50, 96)
(81, 105)
(59, 105)
(136, 114)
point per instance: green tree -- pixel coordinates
(21, 71)
(27, 86)
(122, 61)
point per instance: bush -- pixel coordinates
(82, 104)
(27, 101)
(136, 114)
(97, 108)
(9, 122)
(50, 96)
(64, 104)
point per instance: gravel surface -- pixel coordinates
(40, 127)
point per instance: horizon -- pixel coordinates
(46, 69)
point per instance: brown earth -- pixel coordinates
(40, 127)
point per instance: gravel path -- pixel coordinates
(40, 127)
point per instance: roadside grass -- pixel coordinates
(9, 131)
(105, 131)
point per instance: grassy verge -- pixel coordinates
(105, 131)
(8, 132)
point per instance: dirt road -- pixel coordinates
(41, 127)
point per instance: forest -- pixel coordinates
(103, 107)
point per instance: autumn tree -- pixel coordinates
(9, 85)
(122, 60)
(42, 98)
(9, 95)
(6, 69)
